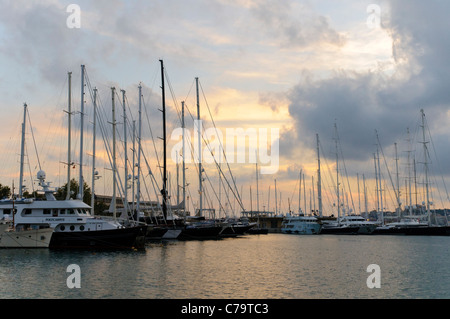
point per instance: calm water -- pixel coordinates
(274, 266)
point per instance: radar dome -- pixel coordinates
(41, 175)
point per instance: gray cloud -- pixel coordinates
(363, 102)
(293, 25)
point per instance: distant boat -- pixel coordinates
(301, 225)
(236, 228)
(352, 224)
(399, 227)
(413, 225)
(257, 231)
(205, 229)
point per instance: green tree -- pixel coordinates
(5, 191)
(74, 187)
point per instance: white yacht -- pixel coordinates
(71, 222)
(301, 225)
(30, 237)
(349, 224)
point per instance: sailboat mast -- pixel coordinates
(381, 188)
(164, 190)
(376, 182)
(276, 200)
(138, 183)
(319, 179)
(133, 169)
(300, 192)
(22, 150)
(114, 151)
(365, 196)
(425, 153)
(398, 178)
(184, 154)
(304, 194)
(69, 142)
(337, 175)
(125, 196)
(81, 181)
(93, 153)
(200, 186)
(257, 188)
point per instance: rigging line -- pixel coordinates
(29, 168)
(107, 146)
(437, 159)
(345, 170)
(148, 194)
(387, 168)
(223, 150)
(153, 139)
(220, 170)
(215, 193)
(324, 158)
(34, 141)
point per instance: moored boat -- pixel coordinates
(301, 225)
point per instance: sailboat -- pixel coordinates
(204, 229)
(412, 225)
(32, 237)
(347, 224)
(70, 219)
(21, 236)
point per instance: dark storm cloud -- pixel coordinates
(361, 103)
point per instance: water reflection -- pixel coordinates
(263, 267)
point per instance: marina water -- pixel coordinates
(273, 266)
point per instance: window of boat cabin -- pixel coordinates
(7, 211)
(27, 211)
(71, 211)
(47, 211)
(54, 212)
(62, 211)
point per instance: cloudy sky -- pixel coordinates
(303, 67)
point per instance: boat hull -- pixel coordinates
(121, 238)
(428, 231)
(235, 230)
(257, 231)
(33, 238)
(307, 229)
(350, 230)
(198, 233)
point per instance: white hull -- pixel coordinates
(301, 226)
(33, 238)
